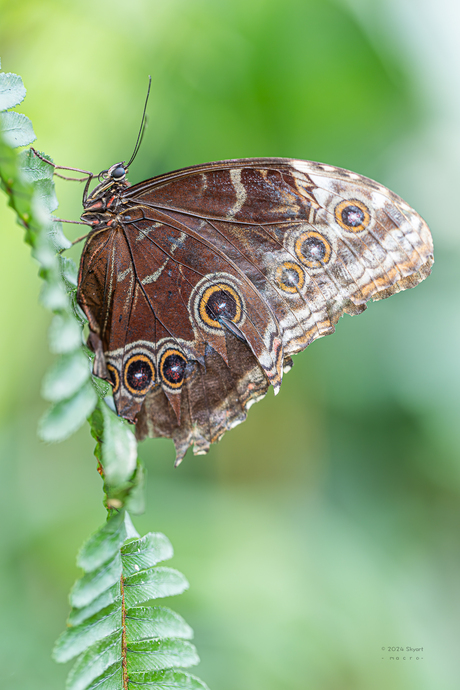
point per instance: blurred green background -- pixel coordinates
(326, 527)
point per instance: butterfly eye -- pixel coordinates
(139, 374)
(118, 173)
(114, 378)
(172, 368)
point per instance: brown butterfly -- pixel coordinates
(200, 284)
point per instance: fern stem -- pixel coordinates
(123, 636)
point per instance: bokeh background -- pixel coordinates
(326, 527)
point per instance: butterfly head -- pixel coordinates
(116, 172)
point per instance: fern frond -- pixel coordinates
(120, 643)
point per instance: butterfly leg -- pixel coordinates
(87, 173)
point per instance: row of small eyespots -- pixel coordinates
(313, 250)
(139, 372)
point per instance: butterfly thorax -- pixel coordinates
(104, 203)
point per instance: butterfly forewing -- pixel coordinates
(212, 276)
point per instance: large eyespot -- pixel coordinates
(352, 215)
(217, 296)
(220, 300)
(114, 378)
(139, 374)
(172, 368)
(313, 249)
(290, 277)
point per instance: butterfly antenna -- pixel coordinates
(140, 136)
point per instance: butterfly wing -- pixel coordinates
(219, 272)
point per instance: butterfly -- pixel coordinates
(199, 285)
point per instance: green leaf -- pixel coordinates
(165, 680)
(76, 639)
(131, 531)
(155, 621)
(154, 655)
(64, 334)
(20, 194)
(34, 168)
(111, 679)
(45, 194)
(119, 448)
(69, 269)
(145, 552)
(57, 237)
(103, 544)
(53, 294)
(16, 129)
(78, 615)
(94, 662)
(67, 416)
(44, 253)
(40, 175)
(12, 91)
(154, 583)
(135, 501)
(97, 424)
(91, 585)
(66, 376)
